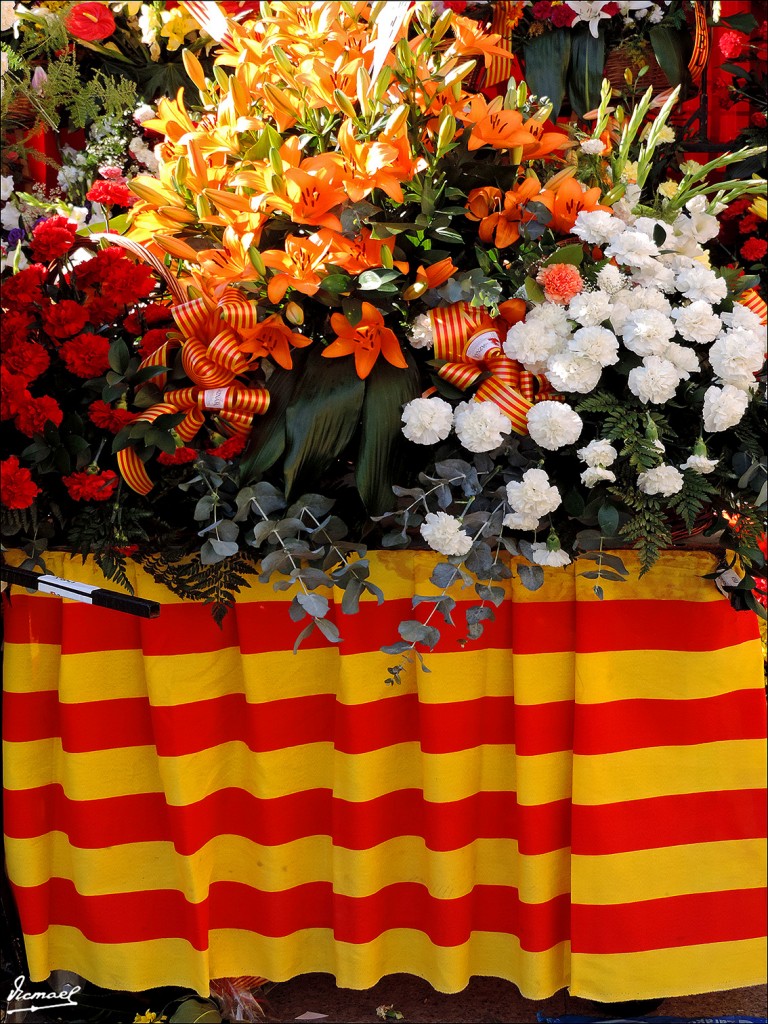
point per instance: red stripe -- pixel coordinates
(182, 729)
(678, 820)
(259, 627)
(165, 913)
(146, 817)
(690, 920)
(353, 728)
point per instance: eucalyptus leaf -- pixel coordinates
(416, 632)
(313, 604)
(531, 576)
(547, 57)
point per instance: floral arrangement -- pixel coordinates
(387, 311)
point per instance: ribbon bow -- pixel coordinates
(237, 406)
(469, 340)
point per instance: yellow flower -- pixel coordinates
(176, 25)
(629, 174)
(690, 166)
(147, 1018)
(666, 134)
(668, 189)
(760, 208)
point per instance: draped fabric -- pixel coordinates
(575, 799)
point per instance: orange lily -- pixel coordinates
(545, 142)
(504, 227)
(482, 202)
(368, 339)
(502, 129)
(436, 273)
(273, 337)
(361, 252)
(471, 39)
(297, 267)
(567, 201)
(309, 198)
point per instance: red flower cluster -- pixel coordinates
(560, 15)
(177, 458)
(52, 238)
(87, 486)
(111, 282)
(34, 413)
(13, 390)
(152, 341)
(24, 288)
(144, 317)
(230, 448)
(64, 318)
(731, 44)
(111, 193)
(86, 356)
(17, 488)
(26, 358)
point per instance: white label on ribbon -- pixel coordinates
(729, 578)
(66, 588)
(480, 344)
(214, 398)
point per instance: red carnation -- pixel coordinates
(90, 21)
(754, 249)
(87, 355)
(99, 268)
(52, 238)
(13, 392)
(34, 413)
(542, 10)
(17, 488)
(25, 288)
(63, 319)
(15, 327)
(563, 16)
(732, 44)
(152, 341)
(229, 449)
(87, 486)
(111, 193)
(178, 458)
(147, 316)
(103, 416)
(748, 225)
(27, 359)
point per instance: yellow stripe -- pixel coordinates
(669, 871)
(136, 966)
(401, 574)
(443, 777)
(140, 867)
(664, 771)
(677, 971)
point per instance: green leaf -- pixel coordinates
(668, 48)
(119, 356)
(531, 576)
(336, 283)
(586, 73)
(608, 518)
(267, 441)
(195, 1011)
(329, 630)
(533, 290)
(546, 65)
(313, 604)
(740, 22)
(379, 461)
(371, 280)
(572, 254)
(416, 632)
(322, 417)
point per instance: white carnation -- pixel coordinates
(736, 356)
(422, 335)
(570, 371)
(656, 275)
(592, 147)
(610, 279)
(745, 319)
(724, 407)
(699, 464)
(551, 317)
(543, 556)
(647, 332)
(554, 424)
(594, 475)
(698, 282)
(480, 426)
(520, 521)
(596, 343)
(533, 496)
(598, 453)
(590, 308)
(684, 359)
(6, 187)
(532, 345)
(597, 226)
(427, 420)
(444, 534)
(655, 381)
(703, 226)
(663, 480)
(697, 322)
(8, 16)
(650, 297)
(632, 249)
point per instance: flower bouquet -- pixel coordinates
(395, 312)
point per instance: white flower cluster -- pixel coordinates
(531, 499)
(480, 426)
(444, 534)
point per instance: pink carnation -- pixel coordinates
(560, 281)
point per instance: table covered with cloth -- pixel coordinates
(575, 799)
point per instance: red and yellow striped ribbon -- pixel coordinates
(469, 341)
(237, 405)
(752, 300)
(211, 355)
(506, 15)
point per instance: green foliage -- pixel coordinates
(215, 585)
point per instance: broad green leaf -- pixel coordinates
(573, 254)
(533, 290)
(267, 441)
(608, 518)
(322, 417)
(586, 74)
(668, 48)
(379, 461)
(546, 65)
